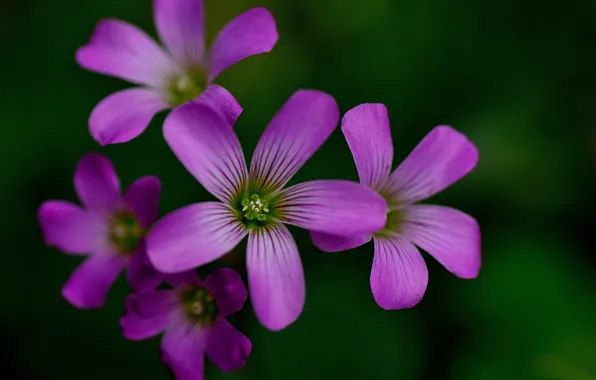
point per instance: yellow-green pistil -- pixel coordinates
(255, 208)
(186, 87)
(125, 232)
(199, 305)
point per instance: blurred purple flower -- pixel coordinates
(169, 77)
(110, 229)
(256, 204)
(193, 317)
(399, 275)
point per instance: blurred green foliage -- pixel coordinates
(519, 78)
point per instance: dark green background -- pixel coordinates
(517, 77)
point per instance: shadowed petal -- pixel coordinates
(336, 243)
(275, 276)
(205, 144)
(366, 128)
(252, 32)
(399, 276)
(124, 115)
(332, 206)
(142, 196)
(296, 132)
(220, 99)
(140, 274)
(449, 235)
(96, 182)
(180, 279)
(440, 159)
(182, 349)
(193, 236)
(67, 227)
(147, 314)
(180, 25)
(227, 288)
(87, 287)
(227, 347)
(122, 50)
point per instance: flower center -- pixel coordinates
(393, 224)
(255, 208)
(199, 305)
(186, 87)
(125, 232)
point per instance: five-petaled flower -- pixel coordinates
(256, 203)
(399, 275)
(173, 77)
(193, 317)
(110, 229)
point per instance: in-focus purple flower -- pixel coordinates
(399, 275)
(193, 318)
(172, 76)
(256, 203)
(109, 229)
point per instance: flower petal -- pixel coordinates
(332, 206)
(122, 50)
(227, 347)
(252, 32)
(399, 276)
(147, 314)
(220, 99)
(96, 183)
(450, 236)
(67, 227)
(228, 290)
(87, 287)
(180, 279)
(124, 115)
(142, 196)
(208, 148)
(193, 236)
(180, 25)
(182, 349)
(140, 274)
(296, 132)
(275, 276)
(366, 128)
(440, 159)
(337, 243)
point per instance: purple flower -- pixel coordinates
(169, 77)
(110, 229)
(193, 316)
(256, 204)
(399, 275)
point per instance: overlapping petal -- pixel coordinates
(147, 314)
(275, 276)
(96, 182)
(182, 349)
(142, 196)
(302, 125)
(193, 236)
(367, 131)
(68, 227)
(252, 32)
(140, 274)
(227, 288)
(205, 144)
(337, 243)
(440, 159)
(227, 347)
(220, 99)
(332, 206)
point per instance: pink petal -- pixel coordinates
(142, 196)
(399, 276)
(147, 314)
(337, 243)
(227, 347)
(366, 128)
(87, 287)
(220, 99)
(122, 50)
(193, 236)
(252, 32)
(182, 349)
(124, 115)
(180, 279)
(180, 24)
(275, 276)
(140, 274)
(96, 183)
(208, 148)
(440, 159)
(449, 235)
(296, 132)
(67, 227)
(332, 206)
(227, 288)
